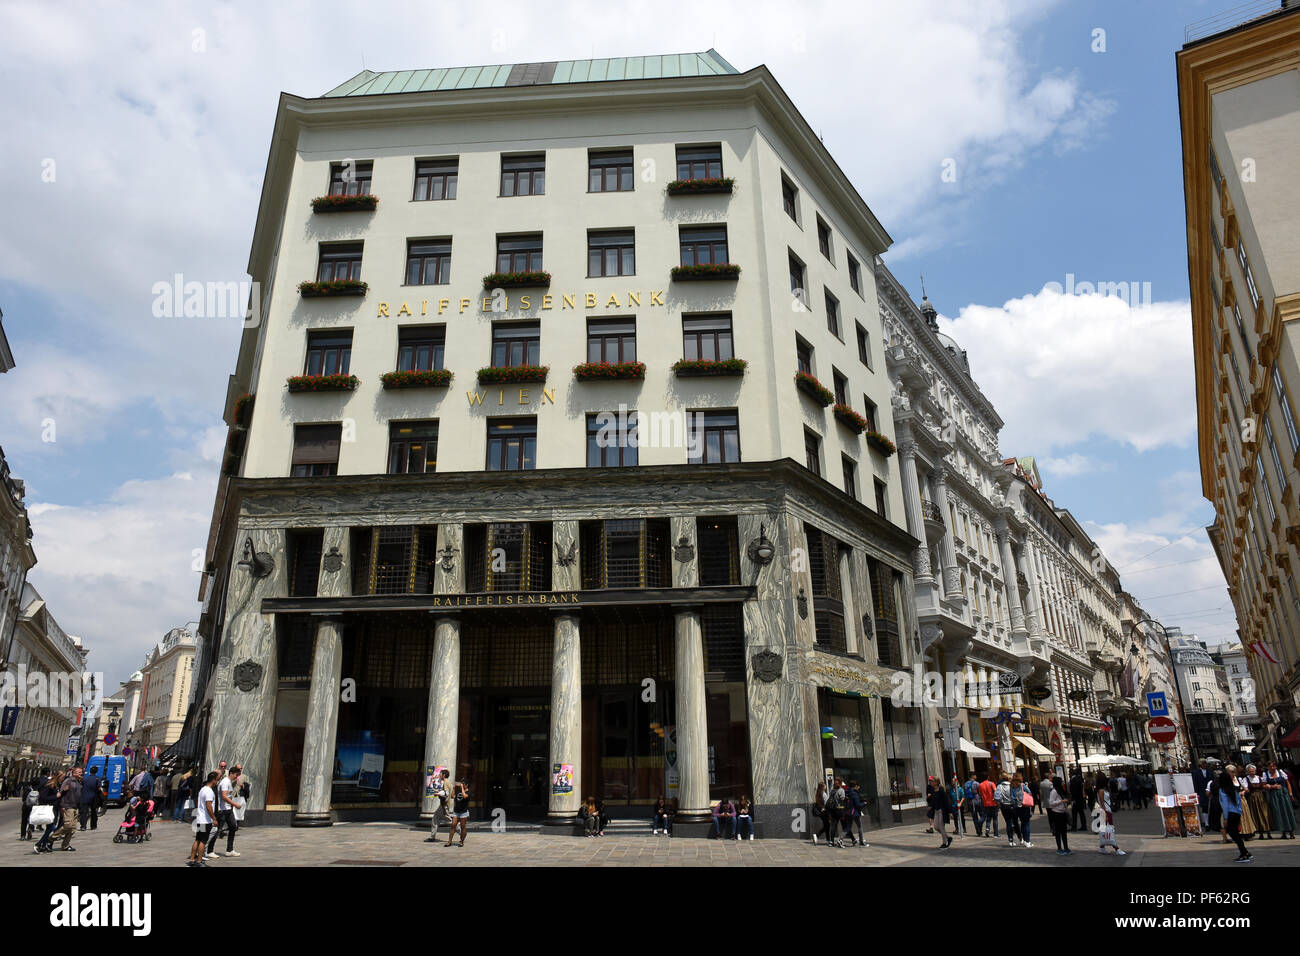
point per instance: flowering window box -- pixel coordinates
(427, 378)
(686, 187)
(850, 419)
(517, 280)
(819, 392)
(244, 410)
(609, 371)
(323, 383)
(365, 203)
(515, 374)
(699, 368)
(318, 290)
(880, 443)
(711, 270)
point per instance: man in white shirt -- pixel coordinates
(204, 808)
(227, 801)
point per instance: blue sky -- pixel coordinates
(156, 129)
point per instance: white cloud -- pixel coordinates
(1073, 465)
(1080, 367)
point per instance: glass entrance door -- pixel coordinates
(518, 774)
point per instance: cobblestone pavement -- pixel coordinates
(401, 844)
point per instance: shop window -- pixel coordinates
(508, 556)
(719, 551)
(904, 755)
(827, 594)
(394, 560)
(625, 553)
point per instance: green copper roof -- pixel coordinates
(369, 83)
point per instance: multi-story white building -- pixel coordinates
(166, 678)
(1205, 696)
(433, 487)
(1241, 694)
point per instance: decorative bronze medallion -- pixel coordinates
(332, 560)
(247, 675)
(767, 666)
(684, 551)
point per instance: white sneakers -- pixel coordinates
(1028, 844)
(232, 853)
(210, 856)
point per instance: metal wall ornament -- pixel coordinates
(760, 550)
(258, 563)
(684, 551)
(565, 559)
(332, 561)
(447, 558)
(802, 601)
(868, 626)
(247, 675)
(767, 666)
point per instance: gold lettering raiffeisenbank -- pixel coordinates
(528, 302)
(524, 599)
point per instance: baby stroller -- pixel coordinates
(134, 828)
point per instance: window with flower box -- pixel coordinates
(350, 179)
(611, 340)
(421, 348)
(611, 253)
(516, 343)
(436, 178)
(521, 253)
(841, 387)
(328, 353)
(707, 337)
(523, 175)
(338, 261)
(703, 245)
(699, 162)
(428, 261)
(609, 171)
(803, 355)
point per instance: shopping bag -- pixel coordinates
(1107, 836)
(41, 816)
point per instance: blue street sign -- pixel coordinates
(1157, 706)
(8, 721)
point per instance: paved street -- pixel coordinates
(397, 844)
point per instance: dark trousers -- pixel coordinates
(88, 811)
(1011, 817)
(1233, 826)
(22, 827)
(227, 823)
(1078, 816)
(1060, 829)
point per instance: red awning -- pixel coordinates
(1292, 739)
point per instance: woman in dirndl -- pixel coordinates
(1258, 802)
(1277, 786)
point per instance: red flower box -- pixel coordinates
(819, 392)
(365, 203)
(323, 383)
(880, 443)
(850, 419)
(244, 410)
(699, 368)
(711, 270)
(517, 374)
(318, 290)
(516, 280)
(428, 378)
(608, 371)
(683, 187)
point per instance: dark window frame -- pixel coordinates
(700, 162)
(620, 331)
(696, 237)
(330, 350)
(621, 163)
(444, 173)
(507, 335)
(432, 254)
(713, 328)
(530, 246)
(359, 185)
(416, 343)
(626, 448)
(520, 168)
(698, 420)
(402, 448)
(302, 464)
(527, 426)
(621, 243)
(832, 312)
(330, 256)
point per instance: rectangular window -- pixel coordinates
(715, 437)
(435, 178)
(316, 450)
(699, 162)
(328, 353)
(516, 343)
(420, 348)
(1214, 167)
(882, 496)
(707, 337)
(1241, 331)
(1245, 271)
(350, 179)
(1284, 403)
(1262, 492)
(703, 245)
(864, 345)
(511, 444)
(611, 253)
(1214, 238)
(609, 172)
(1276, 456)
(611, 440)
(428, 261)
(869, 413)
(611, 340)
(841, 387)
(523, 175)
(832, 312)
(850, 469)
(412, 447)
(803, 355)
(812, 452)
(798, 287)
(339, 260)
(855, 274)
(790, 199)
(522, 253)
(824, 239)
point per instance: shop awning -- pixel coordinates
(1292, 739)
(969, 748)
(1034, 747)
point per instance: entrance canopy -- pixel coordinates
(969, 748)
(1034, 747)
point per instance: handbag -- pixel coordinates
(1107, 836)
(1026, 799)
(41, 816)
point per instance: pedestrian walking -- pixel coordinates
(460, 811)
(1231, 805)
(49, 797)
(930, 786)
(836, 800)
(227, 802)
(940, 810)
(1078, 814)
(1044, 791)
(988, 799)
(1058, 807)
(173, 792)
(142, 785)
(31, 795)
(1257, 801)
(957, 803)
(441, 803)
(1106, 836)
(858, 805)
(162, 787)
(88, 805)
(1277, 787)
(69, 801)
(974, 804)
(819, 811)
(184, 794)
(1026, 812)
(205, 806)
(1008, 799)
(1201, 778)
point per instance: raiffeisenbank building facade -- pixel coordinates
(555, 455)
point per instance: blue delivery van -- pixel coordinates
(113, 769)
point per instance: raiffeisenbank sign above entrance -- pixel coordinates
(500, 301)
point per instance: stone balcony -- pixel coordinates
(934, 523)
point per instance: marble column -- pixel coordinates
(1034, 618)
(441, 717)
(243, 716)
(1018, 628)
(322, 726)
(566, 717)
(912, 506)
(947, 550)
(693, 803)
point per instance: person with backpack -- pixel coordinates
(974, 804)
(957, 801)
(1009, 797)
(836, 801)
(989, 803)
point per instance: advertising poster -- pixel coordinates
(359, 760)
(562, 778)
(1191, 812)
(1171, 816)
(431, 775)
